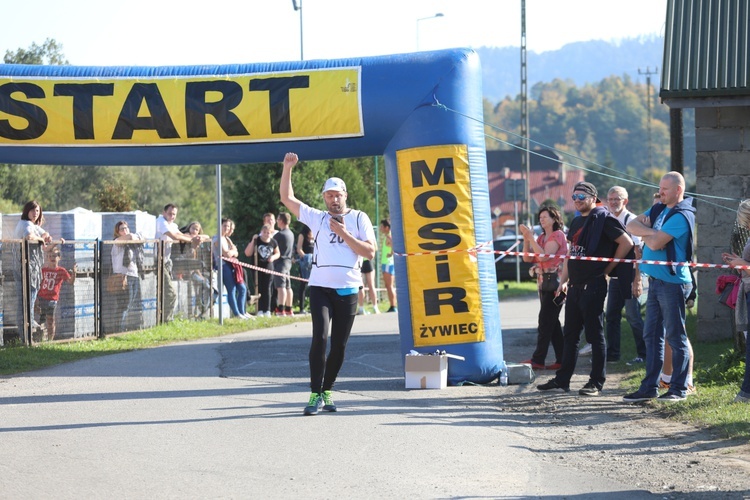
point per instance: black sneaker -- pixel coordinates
(671, 397)
(590, 389)
(552, 384)
(314, 404)
(638, 397)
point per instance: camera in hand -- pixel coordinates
(559, 299)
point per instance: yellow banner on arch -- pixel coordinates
(438, 219)
(259, 107)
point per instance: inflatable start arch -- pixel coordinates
(435, 157)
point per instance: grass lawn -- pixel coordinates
(717, 374)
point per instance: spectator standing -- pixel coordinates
(386, 263)
(232, 274)
(266, 249)
(594, 233)
(199, 275)
(29, 228)
(743, 220)
(124, 262)
(270, 219)
(240, 290)
(368, 281)
(667, 233)
(305, 248)
(617, 201)
(53, 276)
(168, 231)
(283, 266)
(551, 242)
(342, 238)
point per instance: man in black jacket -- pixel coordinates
(595, 233)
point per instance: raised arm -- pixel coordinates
(285, 188)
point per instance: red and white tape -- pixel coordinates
(261, 269)
(510, 251)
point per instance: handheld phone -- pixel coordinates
(338, 218)
(559, 299)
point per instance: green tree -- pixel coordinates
(50, 52)
(114, 197)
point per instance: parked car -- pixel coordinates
(505, 265)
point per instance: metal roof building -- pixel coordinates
(706, 66)
(706, 45)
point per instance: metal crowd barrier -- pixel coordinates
(87, 306)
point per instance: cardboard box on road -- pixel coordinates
(426, 372)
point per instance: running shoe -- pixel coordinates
(552, 384)
(535, 366)
(636, 361)
(638, 397)
(328, 404)
(585, 350)
(590, 389)
(671, 397)
(314, 404)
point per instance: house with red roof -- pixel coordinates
(549, 180)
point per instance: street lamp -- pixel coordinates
(298, 7)
(439, 14)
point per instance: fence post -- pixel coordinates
(98, 299)
(159, 282)
(24, 328)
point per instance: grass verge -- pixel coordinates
(18, 359)
(717, 375)
(511, 289)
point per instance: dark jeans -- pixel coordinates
(337, 312)
(132, 316)
(549, 329)
(305, 265)
(665, 318)
(745, 389)
(583, 311)
(615, 303)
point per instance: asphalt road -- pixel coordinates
(222, 418)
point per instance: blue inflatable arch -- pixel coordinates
(422, 111)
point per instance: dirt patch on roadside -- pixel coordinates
(634, 444)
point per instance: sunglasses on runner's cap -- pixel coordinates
(579, 196)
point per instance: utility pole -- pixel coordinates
(525, 156)
(298, 8)
(648, 74)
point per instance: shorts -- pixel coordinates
(283, 266)
(366, 267)
(46, 307)
(388, 268)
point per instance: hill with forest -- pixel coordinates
(580, 62)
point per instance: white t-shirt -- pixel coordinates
(118, 252)
(626, 214)
(334, 263)
(163, 227)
